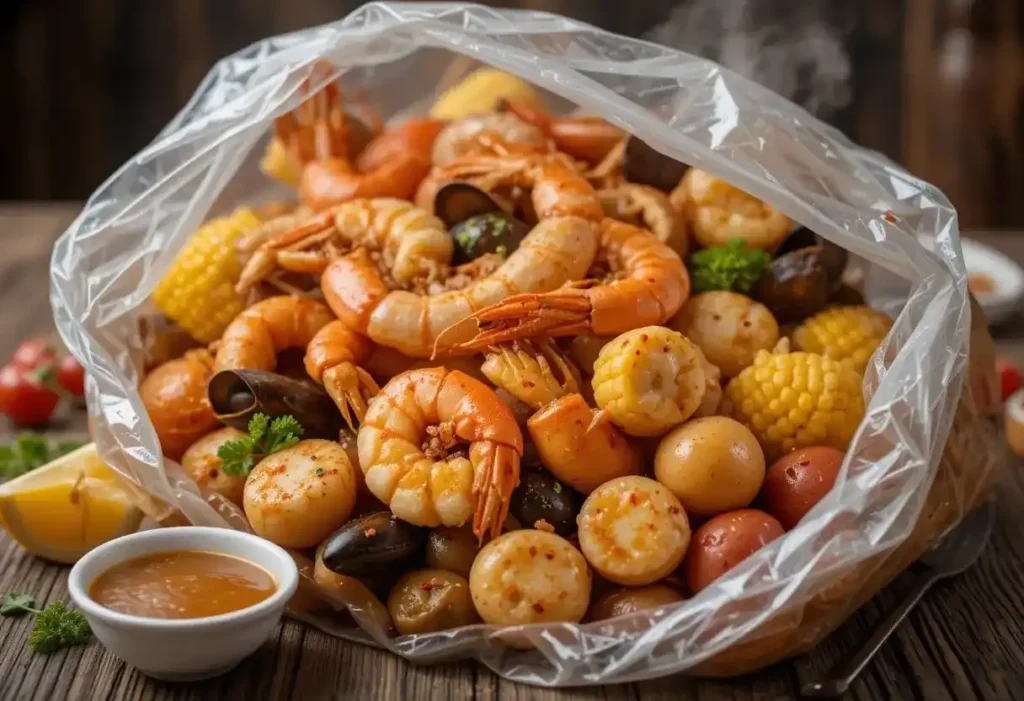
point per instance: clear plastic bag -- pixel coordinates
(108, 262)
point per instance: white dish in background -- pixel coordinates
(1006, 276)
(185, 649)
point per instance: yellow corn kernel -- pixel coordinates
(825, 412)
(276, 165)
(198, 292)
(848, 334)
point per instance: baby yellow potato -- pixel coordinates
(649, 380)
(729, 327)
(530, 576)
(712, 465)
(633, 531)
(298, 496)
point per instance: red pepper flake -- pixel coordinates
(644, 337)
(370, 532)
(550, 556)
(538, 607)
(427, 586)
(528, 383)
(637, 352)
(889, 217)
(533, 551)
(665, 349)
(674, 510)
(632, 498)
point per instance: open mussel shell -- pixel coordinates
(493, 232)
(373, 544)
(236, 395)
(833, 257)
(645, 165)
(458, 201)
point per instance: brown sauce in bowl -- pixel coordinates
(182, 584)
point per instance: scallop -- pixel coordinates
(298, 496)
(530, 576)
(633, 531)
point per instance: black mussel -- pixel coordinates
(373, 544)
(540, 497)
(458, 201)
(236, 395)
(646, 165)
(494, 232)
(833, 257)
(796, 285)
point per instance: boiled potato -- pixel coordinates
(619, 602)
(798, 481)
(204, 466)
(729, 327)
(298, 496)
(713, 464)
(724, 542)
(426, 601)
(530, 576)
(633, 530)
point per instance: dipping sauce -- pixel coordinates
(182, 584)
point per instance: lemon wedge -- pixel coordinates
(63, 509)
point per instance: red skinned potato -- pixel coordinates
(799, 480)
(725, 541)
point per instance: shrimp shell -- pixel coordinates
(461, 138)
(259, 333)
(535, 373)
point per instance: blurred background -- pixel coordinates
(937, 85)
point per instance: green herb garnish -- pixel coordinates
(239, 456)
(56, 625)
(29, 451)
(733, 266)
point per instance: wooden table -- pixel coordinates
(965, 641)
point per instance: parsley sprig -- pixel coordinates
(733, 266)
(29, 451)
(56, 625)
(239, 456)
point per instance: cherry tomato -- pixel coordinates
(71, 375)
(33, 353)
(24, 398)
(1009, 377)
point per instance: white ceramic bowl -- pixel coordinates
(185, 649)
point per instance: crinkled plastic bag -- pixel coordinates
(108, 262)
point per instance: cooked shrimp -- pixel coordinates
(534, 372)
(554, 252)
(587, 138)
(719, 212)
(333, 358)
(557, 189)
(259, 333)
(649, 208)
(412, 242)
(406, 450)
(462, 137)
(317, 139)
(649, 285)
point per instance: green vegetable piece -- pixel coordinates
(732, 267)
(16, 604)
(58, 626)
(32, 449)
(239, 456)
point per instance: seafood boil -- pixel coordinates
(508, 366)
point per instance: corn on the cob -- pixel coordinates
(480, 92)
(198, 292)
(847, 334)
(275, 164)
(793, 400)
(649, 380)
